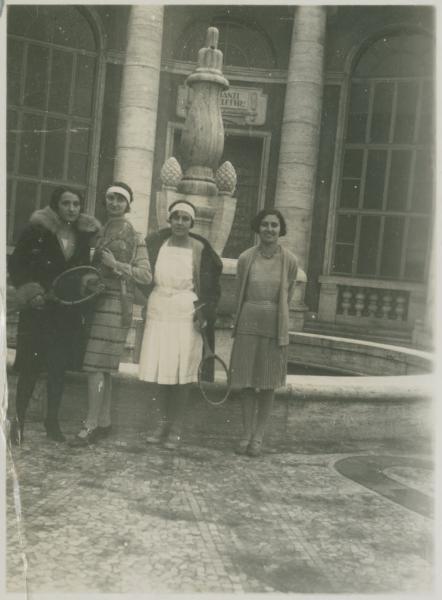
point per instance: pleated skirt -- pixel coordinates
(257, 362)
(172, 348)
(107, 336)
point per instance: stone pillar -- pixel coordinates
(300, 130)
(138, 108)
(430, 313)
(328, 301)
(425, 330)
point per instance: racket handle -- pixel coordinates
(207, 349)
(51, 297)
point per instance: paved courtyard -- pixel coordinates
(124, 517)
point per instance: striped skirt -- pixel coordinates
(257, 362)
(107, 335)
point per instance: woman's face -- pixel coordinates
(116, 205)
(69, 207)
(269, 229)
(180, 223)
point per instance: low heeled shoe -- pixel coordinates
(172, 442)
(53, 431)
(255, 448)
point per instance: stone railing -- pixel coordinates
(386, 309)
(372, 302)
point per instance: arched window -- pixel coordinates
(52, 62)
(242, 44)
(385, 196)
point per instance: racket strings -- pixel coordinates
(213, 380)
(76, 285)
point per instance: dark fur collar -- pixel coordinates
(48, 218)
(155, 240)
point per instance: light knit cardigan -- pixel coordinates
(288, 279)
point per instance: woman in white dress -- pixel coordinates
(186, 274)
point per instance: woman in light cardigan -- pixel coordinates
(266, 277)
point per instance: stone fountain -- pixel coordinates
(199, 178)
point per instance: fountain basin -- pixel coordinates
(357, 357)
(350, 369)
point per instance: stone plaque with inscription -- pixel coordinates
(239, 105)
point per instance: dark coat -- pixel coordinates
(210, 268)
(36, 261)
(208, 286)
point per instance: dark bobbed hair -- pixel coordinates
(127, 188)
(170, 209)
(58, 193)
(256, 221)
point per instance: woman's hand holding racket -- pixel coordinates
(37, 302)
(108, 259)
(199, 321)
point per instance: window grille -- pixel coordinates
(384, 223)
(52, 62)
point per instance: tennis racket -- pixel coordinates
(213, 375)
(76, 286)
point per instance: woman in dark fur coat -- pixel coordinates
(186, 275)
(57, 238)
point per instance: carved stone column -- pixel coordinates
(202, 141)
(300, 128)
(138, 108)
(199, 179)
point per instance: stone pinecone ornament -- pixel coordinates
(171, 172)
(225, 178)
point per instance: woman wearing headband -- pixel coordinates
(266, 276)
(57, 238)
(186, 274)
(120, 256)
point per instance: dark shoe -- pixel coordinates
(242, 447)
(54, 432)
(84, 437)
(157, 435)
(102, 432)
(254, 448)
(172, 442)
(16, 432)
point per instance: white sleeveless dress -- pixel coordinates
(171, 348)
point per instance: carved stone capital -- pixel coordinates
(171, 173)
(225, 178)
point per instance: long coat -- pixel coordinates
(36, 261)
(207, 269)
(111, 314)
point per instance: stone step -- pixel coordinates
(394, 337)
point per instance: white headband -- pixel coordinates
(184, 207)
(116, 189)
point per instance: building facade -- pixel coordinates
(329, 117)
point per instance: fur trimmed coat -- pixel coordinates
(36, 261)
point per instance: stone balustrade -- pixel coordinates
(372, 302)
(375, 309)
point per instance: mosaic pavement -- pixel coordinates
(125, 517)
